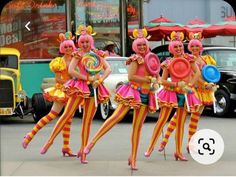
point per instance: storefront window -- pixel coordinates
(45, 18)
(103, 16)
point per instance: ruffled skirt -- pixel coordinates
(169, 98)
(55, 94)
(205, 96)
(80, 88)
(132, 97)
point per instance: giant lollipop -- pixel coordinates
(152, 64)
(93, 66)
(211, 74)
(180, 68)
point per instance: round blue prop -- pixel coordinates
(211, 73)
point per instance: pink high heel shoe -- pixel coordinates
(148, 153)
(133, 166)
(26, 141)
(180, 157)
(67, 151)
(82, 159)
(88, 148)
(45, 148)
(129, 161)
(161, 148)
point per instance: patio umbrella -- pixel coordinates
(195, 25)
(132, 25)
(224, 28)
(161, 27)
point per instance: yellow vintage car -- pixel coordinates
(13, 100)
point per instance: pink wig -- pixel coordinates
(140, 41)
(172, 44)
(66, 43)
(195, 42)
(85, 37)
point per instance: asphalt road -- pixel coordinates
(109, 156)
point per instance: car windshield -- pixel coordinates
(226, 59)
(118, 66)
(8, 61)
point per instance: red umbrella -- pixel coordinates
(225, 28)
(132, 25)
(230, 18)
(161, 27)
(195, 25)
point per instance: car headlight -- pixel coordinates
(21, 94)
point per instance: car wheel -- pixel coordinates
(39, 106)
(222, 103)
(104, 110)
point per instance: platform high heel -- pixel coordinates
(68, 152)
(180, 157)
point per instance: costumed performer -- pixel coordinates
(81, 89)
(172, 95)
(56, 94)
(203, 89)
(136, 94)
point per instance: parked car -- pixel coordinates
(118, 76)
(226, 93)
(13, 99)
(226, 62)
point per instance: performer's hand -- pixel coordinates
(187, 89)
(155, 87)
(181, 84)
(153, 80)
(91, 78)
(209, 86)
(96, 83)
(214, 88)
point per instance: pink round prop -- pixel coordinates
(152, 64)
(180, 68)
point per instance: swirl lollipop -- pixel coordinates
(93, 65)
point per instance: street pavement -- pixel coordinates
(109, 156)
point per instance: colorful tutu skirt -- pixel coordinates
(132, 96)
(55, 94)
(80, 88)
(204, 95)
(174, 99)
